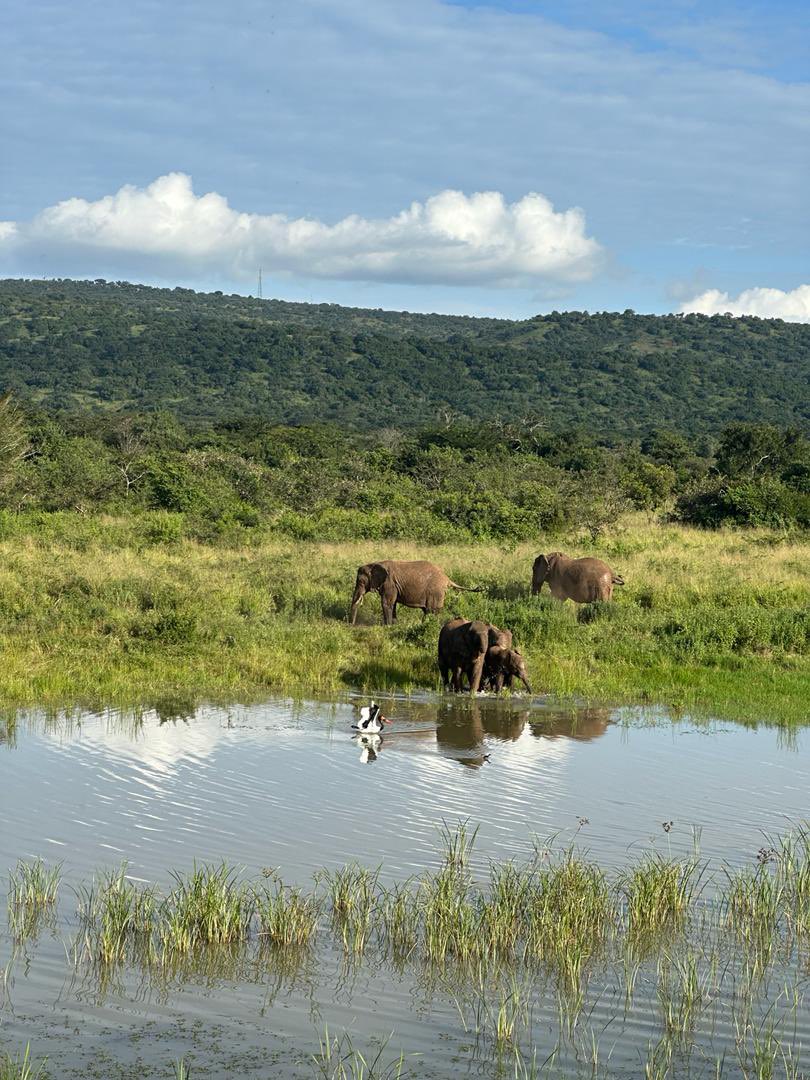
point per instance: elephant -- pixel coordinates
(480, 651)
(501, 666)
(580, 580)
(462, 649)
(412, 584)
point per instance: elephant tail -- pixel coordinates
(465, 588)
(618, 580)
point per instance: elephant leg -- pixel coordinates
(444, 671)
(388, 596)
(476, 671)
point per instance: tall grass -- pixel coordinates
(96, 612)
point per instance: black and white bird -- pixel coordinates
(372, 720)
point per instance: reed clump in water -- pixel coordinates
(287, 918)
(117, 919)
(210, 906)
(353, 893)
(658, 893)
(33, 888)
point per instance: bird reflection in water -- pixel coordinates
(370, 746)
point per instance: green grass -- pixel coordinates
(106, 612)
(96, 612)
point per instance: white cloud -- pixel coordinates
(451, 237)
(793, 306)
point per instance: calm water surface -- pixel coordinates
(284, 785)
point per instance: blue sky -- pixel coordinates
(653, 156)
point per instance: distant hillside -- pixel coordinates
(79, 346)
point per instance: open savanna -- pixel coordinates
(98, 611)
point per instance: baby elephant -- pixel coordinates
(580, 580)
(501, 666)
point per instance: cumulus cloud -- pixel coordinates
(793, 305)
(451, 237)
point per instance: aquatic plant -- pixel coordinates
(20, 1067)
(32, 892)
(286, 917)
(400, 920)
(658, 893)
(117, 916)
(354, 896)
(210, 906)
(339, 1059)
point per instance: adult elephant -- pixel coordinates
(462, 650)
(413, 584)
(580, 580)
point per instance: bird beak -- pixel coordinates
(385, 720)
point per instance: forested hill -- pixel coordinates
(78, 346)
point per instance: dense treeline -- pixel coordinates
(498, 481)
(79, 347)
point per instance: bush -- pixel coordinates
(764, 502)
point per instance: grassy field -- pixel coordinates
(98, 611)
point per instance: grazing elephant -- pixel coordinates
(462, 649)
(412, 584)
(581, 580)
(501, 666)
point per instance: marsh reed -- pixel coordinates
(33, 889)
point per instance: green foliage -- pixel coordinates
(757, 501)
(116, 347)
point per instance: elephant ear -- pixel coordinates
(377, 575)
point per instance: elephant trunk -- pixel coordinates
(357, 600)
(525, 682)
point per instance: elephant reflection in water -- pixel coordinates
(462, 732)
(580, 724)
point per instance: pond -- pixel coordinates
(285, 789)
